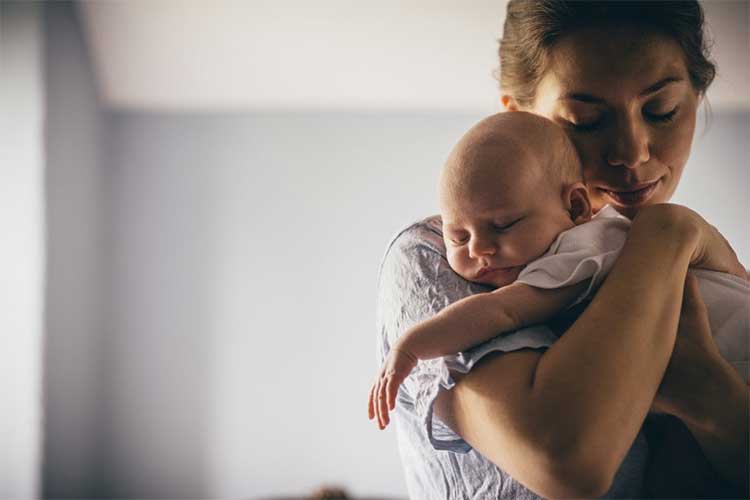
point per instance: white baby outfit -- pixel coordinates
(589, 251)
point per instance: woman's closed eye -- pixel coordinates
(585, 127)
(661, 117)
(584, 123)
(592, 123)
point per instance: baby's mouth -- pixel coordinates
(489, 270)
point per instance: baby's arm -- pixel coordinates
(479, 318)
(464, 324)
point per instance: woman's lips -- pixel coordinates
(632, 197)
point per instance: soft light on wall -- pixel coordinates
(220, 181)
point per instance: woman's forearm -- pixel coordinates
(719, 418)
(600, 378)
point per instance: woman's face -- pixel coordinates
(625, 99)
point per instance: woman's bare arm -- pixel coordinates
(562, 421)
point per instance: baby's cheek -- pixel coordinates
(452, 261)
(457, 261)
(545, 236)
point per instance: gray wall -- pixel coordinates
(76, 203)
(716, 182)
(210, 279)
(246, 252)
(21, 246)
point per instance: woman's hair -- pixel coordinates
(532, 27)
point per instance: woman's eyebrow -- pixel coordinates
(588, 98)
(575, 96)
(660, 85)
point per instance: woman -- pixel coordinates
(542, 416)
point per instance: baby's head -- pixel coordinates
(509, 187)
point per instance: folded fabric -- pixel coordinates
(588, 252)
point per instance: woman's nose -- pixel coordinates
(629, 146)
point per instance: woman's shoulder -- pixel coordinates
(415, 278)
(422, 237)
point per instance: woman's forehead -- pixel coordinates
(621, 61)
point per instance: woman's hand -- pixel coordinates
(713, 250)
(398, 365)
(710, 250)
(703, 391)
(694, 355)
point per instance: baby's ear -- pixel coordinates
(576, 198)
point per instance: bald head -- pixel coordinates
(508, 146)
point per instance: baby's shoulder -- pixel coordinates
(605, 231)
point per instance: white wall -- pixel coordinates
(21, 247)
(247, 247)
(75, 256)
(331, 54)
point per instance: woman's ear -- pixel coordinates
(509, 102)
(576, 198)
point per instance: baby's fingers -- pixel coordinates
(391, 389)
(376, 403)
(382, 404)
(370, 405)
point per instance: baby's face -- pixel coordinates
(495, 224)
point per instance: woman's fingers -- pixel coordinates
(694, 314)
(694, 328)
(736, 267)
(694, 352)
(692, 296)
(715, 252)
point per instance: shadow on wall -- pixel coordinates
(328, 492)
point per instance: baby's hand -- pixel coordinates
(398, 365)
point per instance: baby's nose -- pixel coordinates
(482, 247)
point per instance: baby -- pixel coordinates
(517, 216)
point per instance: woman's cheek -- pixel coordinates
(591, 154)
(678, 139)
(672, 150)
